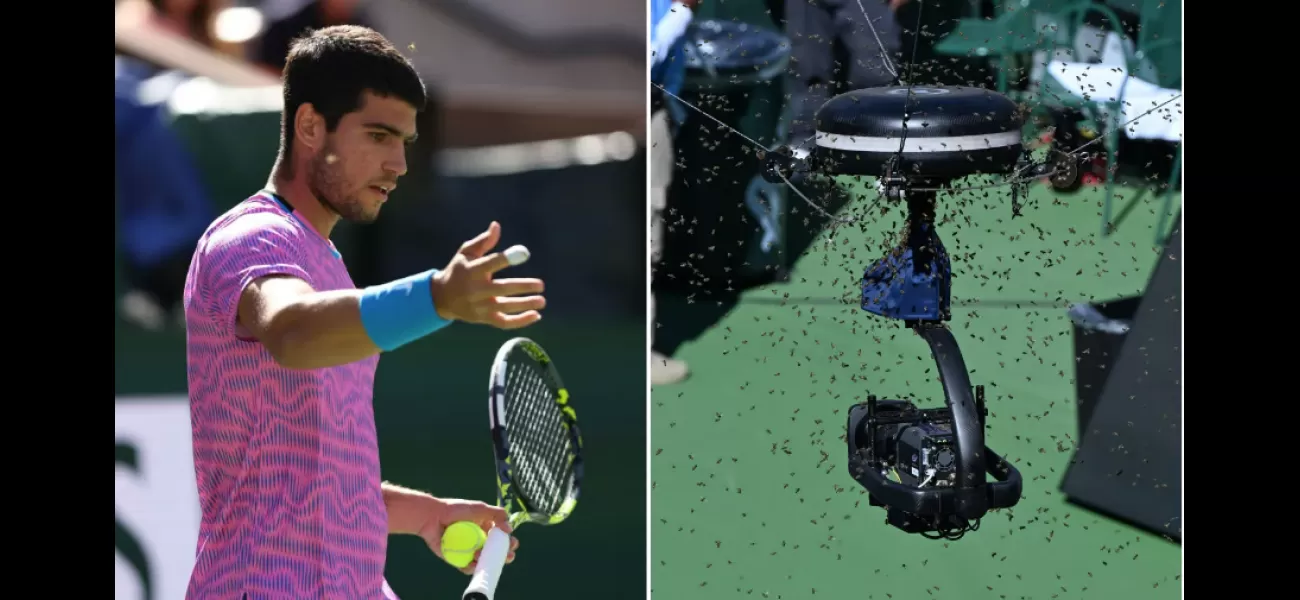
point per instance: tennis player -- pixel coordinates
(282, 347)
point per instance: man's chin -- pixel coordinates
(360, 215)
(363, 219)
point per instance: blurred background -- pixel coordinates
(1069, 314)
(535, 119)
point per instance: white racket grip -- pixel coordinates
(483, 585)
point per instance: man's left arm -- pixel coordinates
(408, 509)
(414, 512)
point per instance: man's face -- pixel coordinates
(357, 167)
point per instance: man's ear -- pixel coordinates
(309, 126)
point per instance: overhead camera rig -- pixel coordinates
(928, 467)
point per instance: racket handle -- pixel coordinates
(490, 562)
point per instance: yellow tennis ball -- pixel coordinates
(460, 541)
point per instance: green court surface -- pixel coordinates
(751, 496)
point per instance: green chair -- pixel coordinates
(1024, 29)
(1028, 28)
(1155, 58)
(1005, 39)
(1060, 31)
(1160, 33)
(1159, 38)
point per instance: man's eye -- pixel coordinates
(378, 136)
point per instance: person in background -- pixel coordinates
(187, 18)
(190, 19)
(814, 28)
(832, 51)
(162, 204)
(286, 20)
(668, 22)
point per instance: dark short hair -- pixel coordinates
(332, 68)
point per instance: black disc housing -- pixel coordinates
(921, 133)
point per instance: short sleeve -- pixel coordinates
(249, 247)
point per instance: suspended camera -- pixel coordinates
(918, 141)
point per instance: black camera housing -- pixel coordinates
(883, 435)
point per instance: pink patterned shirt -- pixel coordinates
(287, 461)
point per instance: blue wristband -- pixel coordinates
(399, 312)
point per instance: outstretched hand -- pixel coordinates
(465, 290)
(445, 511)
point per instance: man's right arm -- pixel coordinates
(253, 283)
(257, 286)
(302, 328)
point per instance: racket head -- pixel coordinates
(535, 436)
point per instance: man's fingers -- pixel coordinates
(519, 321)
(486, 515)
(510, 556)
(481, 243)
(512, 287)
(482, 513)
(489, 264)
(517, 305)
(437, 548)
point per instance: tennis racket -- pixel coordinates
(538, 451)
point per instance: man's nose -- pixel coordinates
(396, 164)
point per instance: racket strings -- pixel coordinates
(540, 445)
